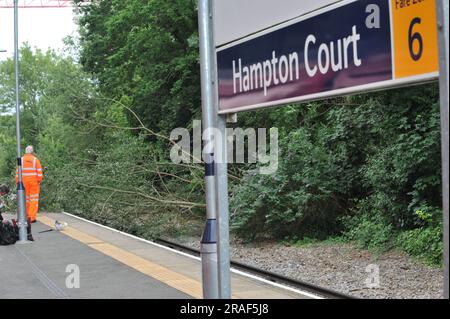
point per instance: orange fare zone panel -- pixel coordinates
(415, 37)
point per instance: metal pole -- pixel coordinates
(442, 21)
(209, 114)
(21, 214)
(223, 243)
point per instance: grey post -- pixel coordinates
(209, 114)
(21, 213)
(223, 229)
(442, 21)
(223, 243)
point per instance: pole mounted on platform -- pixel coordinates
(442, 21)
(215, 241)
(21, 213)
(209, 123)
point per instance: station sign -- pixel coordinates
(343, 48)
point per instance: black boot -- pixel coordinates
(29, 235)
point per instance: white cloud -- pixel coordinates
(42, 27)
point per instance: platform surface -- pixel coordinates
(111, 265)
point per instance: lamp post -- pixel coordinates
(21, 213)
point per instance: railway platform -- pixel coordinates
(89, 261)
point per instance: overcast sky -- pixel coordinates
(43, 28)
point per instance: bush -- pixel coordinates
(423, 243)
(376, 157)
(292, 202)
(370, 232)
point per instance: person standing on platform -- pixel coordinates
(32, 178)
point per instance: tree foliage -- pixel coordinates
(95, 163)
(376, 154)
(145, 52)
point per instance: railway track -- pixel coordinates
(274, 277)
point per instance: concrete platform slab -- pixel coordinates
(39, 270)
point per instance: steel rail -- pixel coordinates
(274, 277)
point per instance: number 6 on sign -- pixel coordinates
(414, 37)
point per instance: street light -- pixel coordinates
(21, 213)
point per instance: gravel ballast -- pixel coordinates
(341, 267)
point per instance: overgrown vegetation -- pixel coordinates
(363, 168)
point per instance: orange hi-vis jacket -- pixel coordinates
(32, 178)
(31, 170)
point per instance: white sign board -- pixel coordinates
(235, 19)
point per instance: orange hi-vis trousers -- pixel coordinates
(32, 199)
(32, 177)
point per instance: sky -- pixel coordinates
(42, 28)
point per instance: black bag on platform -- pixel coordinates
(8, 234)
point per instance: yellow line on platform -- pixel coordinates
(158, 272)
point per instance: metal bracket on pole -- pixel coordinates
(442, 21)
(232, 118)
